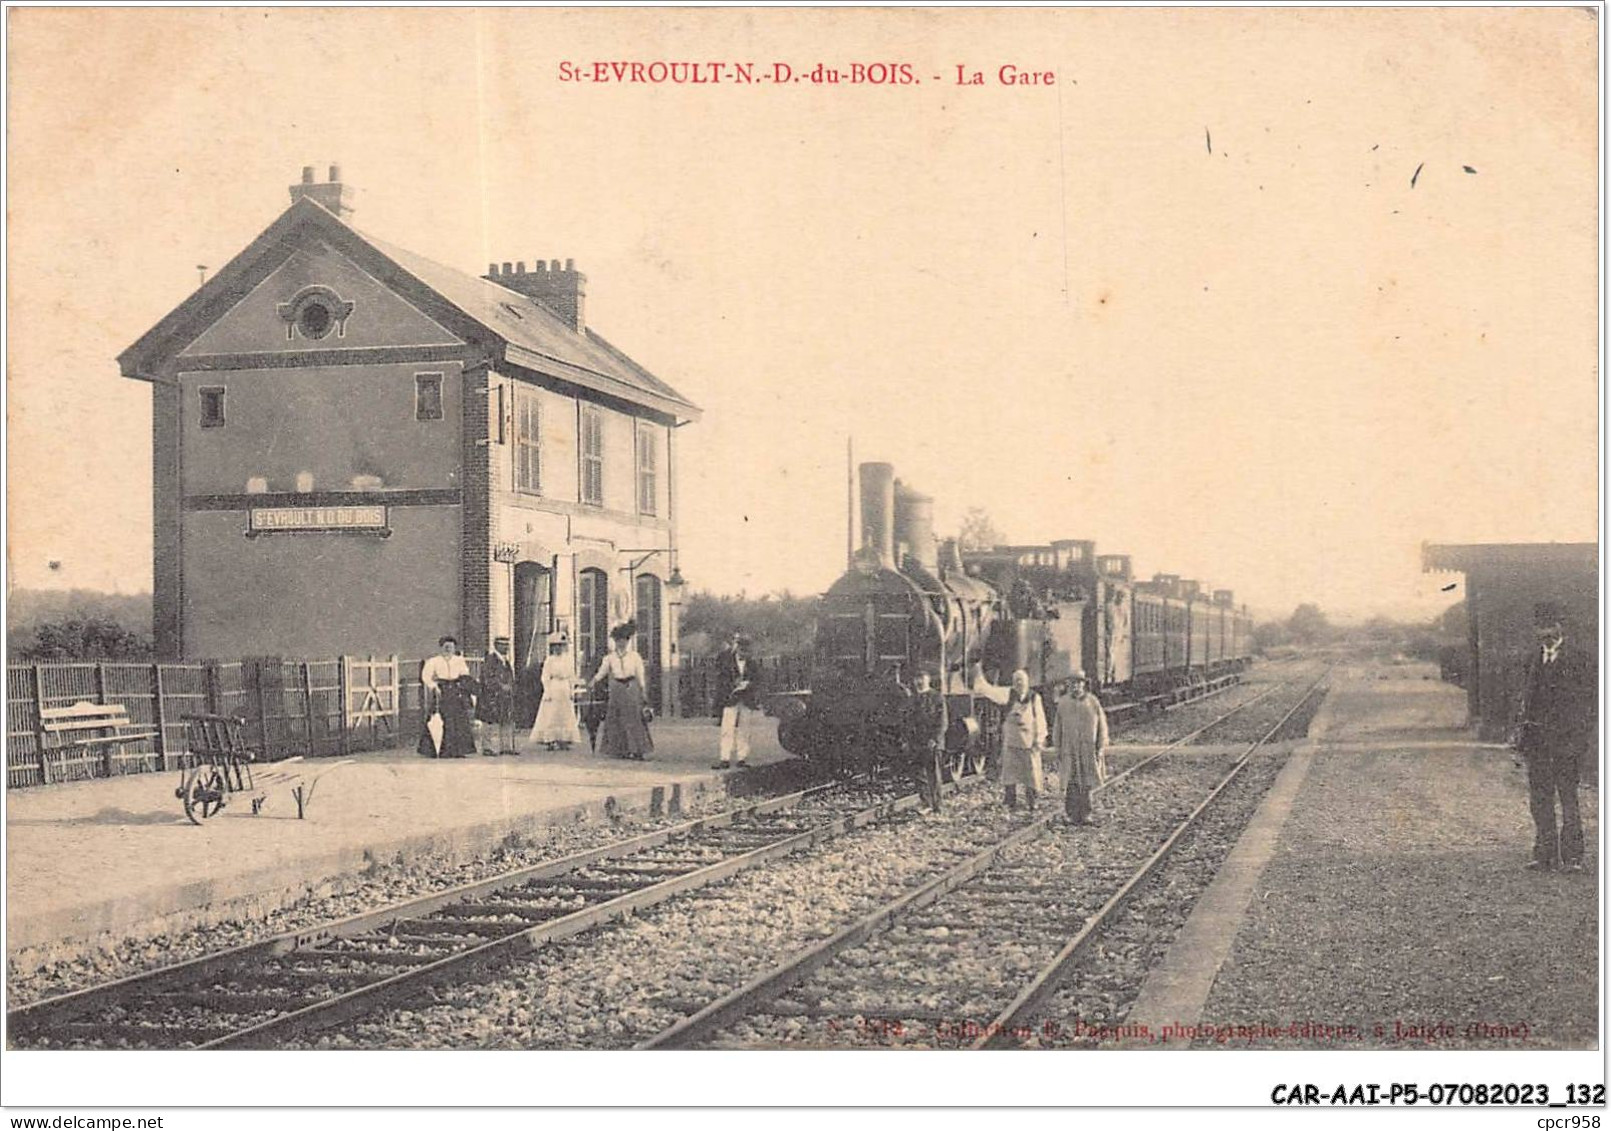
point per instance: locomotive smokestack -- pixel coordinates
(878, 513)
(914, 527)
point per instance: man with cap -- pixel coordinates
(495, 706)
(923, 736)
(1081, 736)
(1556, 732)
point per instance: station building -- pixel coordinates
(356, 450)
(1504, 581)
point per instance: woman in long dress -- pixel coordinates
(449, 693)
(624, 733)
(556, 715)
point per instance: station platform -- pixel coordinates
(1379, 898)
(117, 857)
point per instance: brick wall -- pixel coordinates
(167, 579)
(476, 578)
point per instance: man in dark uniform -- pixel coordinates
(495, 706)
(1557, 732)
(924, 737)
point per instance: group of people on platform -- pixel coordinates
(454, 701)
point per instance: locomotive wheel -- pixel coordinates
(203, 793)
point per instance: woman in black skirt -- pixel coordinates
(624, 733)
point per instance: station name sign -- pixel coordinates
(268, 520)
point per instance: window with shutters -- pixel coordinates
(592, 456)
(427, 396)
(528, 443)
(212, 407)
(648, 469)
(592, 618)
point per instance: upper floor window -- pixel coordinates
(427, 396)
(528, 443)
(212, 407)
(648, 469)
(592, 456)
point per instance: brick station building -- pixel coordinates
(356, 449)
(1504, 581)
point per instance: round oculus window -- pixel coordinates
(315, 320)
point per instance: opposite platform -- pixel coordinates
(1379, 898)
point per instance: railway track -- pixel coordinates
(962, 961)
(301, 982)
(259, 994)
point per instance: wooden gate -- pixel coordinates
(370, 689)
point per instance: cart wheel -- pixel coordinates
(203, 793)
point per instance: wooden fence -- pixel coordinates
(316, 708)
(778, 673)
(313, 708)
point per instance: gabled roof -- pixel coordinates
(519, 330)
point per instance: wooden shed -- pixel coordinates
(1504, 581)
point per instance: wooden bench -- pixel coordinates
(85, 726)
(217, 763)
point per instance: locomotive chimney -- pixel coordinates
(878, 514)
(1224, 597)
(950, 556)
(914, 527)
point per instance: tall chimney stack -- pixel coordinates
(333, 195)
(563, 290)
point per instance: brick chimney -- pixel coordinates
(333, 195)
(562, 290)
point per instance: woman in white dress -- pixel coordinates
(556, 716)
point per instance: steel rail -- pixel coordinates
(1001, 1031)
(47, 1013)
(742, 1001)
(353, 1003)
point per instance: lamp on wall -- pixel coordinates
(674, 589)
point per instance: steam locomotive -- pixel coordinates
(909, 603)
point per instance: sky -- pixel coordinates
(1261, 297)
